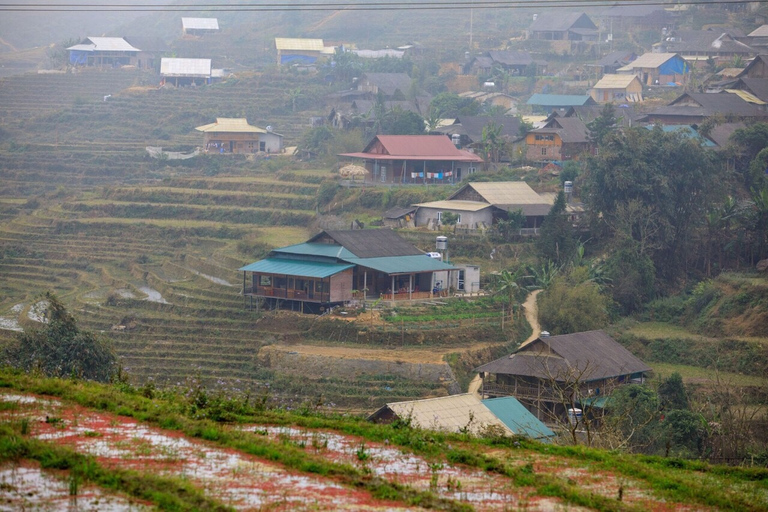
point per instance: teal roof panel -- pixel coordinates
(558, 100)
(517, 418)
(402, 264)
(279, 266)
(327, 250)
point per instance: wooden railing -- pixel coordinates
(282, 293)
(406, 296)
(549, 393)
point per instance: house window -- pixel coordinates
(458, 219)
(320, 286)
(543, 151)
(250, 146)
(471, 170)
(439, 217)
(265, 280)
(262, 146)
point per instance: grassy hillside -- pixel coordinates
(189, 449)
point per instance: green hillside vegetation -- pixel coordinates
(530, 469)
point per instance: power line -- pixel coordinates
(368, 6)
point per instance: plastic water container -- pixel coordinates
(574, 416)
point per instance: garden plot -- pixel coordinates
(234, 478)
(25, 486)
(484, 491)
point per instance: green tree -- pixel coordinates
(633, 414)
(685, 433)
(509, 228)
(449, 218)
(402, 122)
(669, 177)
(602, 125)
(672, 393)
(556, 241)
(492, 143)
(61, 349)
(573, 304)
(452, 105)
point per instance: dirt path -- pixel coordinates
(532, 315)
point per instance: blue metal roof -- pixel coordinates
(402, 264)
(296, 267)
(327, 250)
(517, 418)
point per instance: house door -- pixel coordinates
(231, 146)
(383, 173)
(460, 284)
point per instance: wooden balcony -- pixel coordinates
(282, 293)
(548, 393)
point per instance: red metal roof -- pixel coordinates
(415, 147)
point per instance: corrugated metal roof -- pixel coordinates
(503, 192)
(326, 250)
(648, 60)
(200, 23)
(746, 96)
(465, 206)
(449, 413)
(369, 243)
(230, 125)
(615, 81)
(761, 31)
(105, 44)
(416, 147)
(185, 67)
(517, 418)
(296, 267)
(298, 44)
(558, 100)
(402, 264)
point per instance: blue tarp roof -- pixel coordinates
(296, 268)
(688, 131)
(515, 416)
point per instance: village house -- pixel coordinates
(291, 50)
(336, 267)
(561, 138)
(693, 108)
(480, 204)
(186, 72)
(109, 52)
(546, 103)
(415, 159)
(613, 61)
(235, 135)
(623, 18)
(466, 413)
(555, 26)
(555, 373)
(658, 69)
(617, 89)
(493, 99)
(197, 27)
(698, 46)
(393, 86)
(758, 38)
(470, 131)
(625, 114)
(516, 63)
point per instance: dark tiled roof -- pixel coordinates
(388, 83)
(757, 86)
(593, 355)
(473, 126)
(370, 243)
(721, 133)
(561, 22)
(620, 57)
(570, 129)
(709, 41)
(712, 103)
(510, 58)
(625, 116)
(397, 212)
